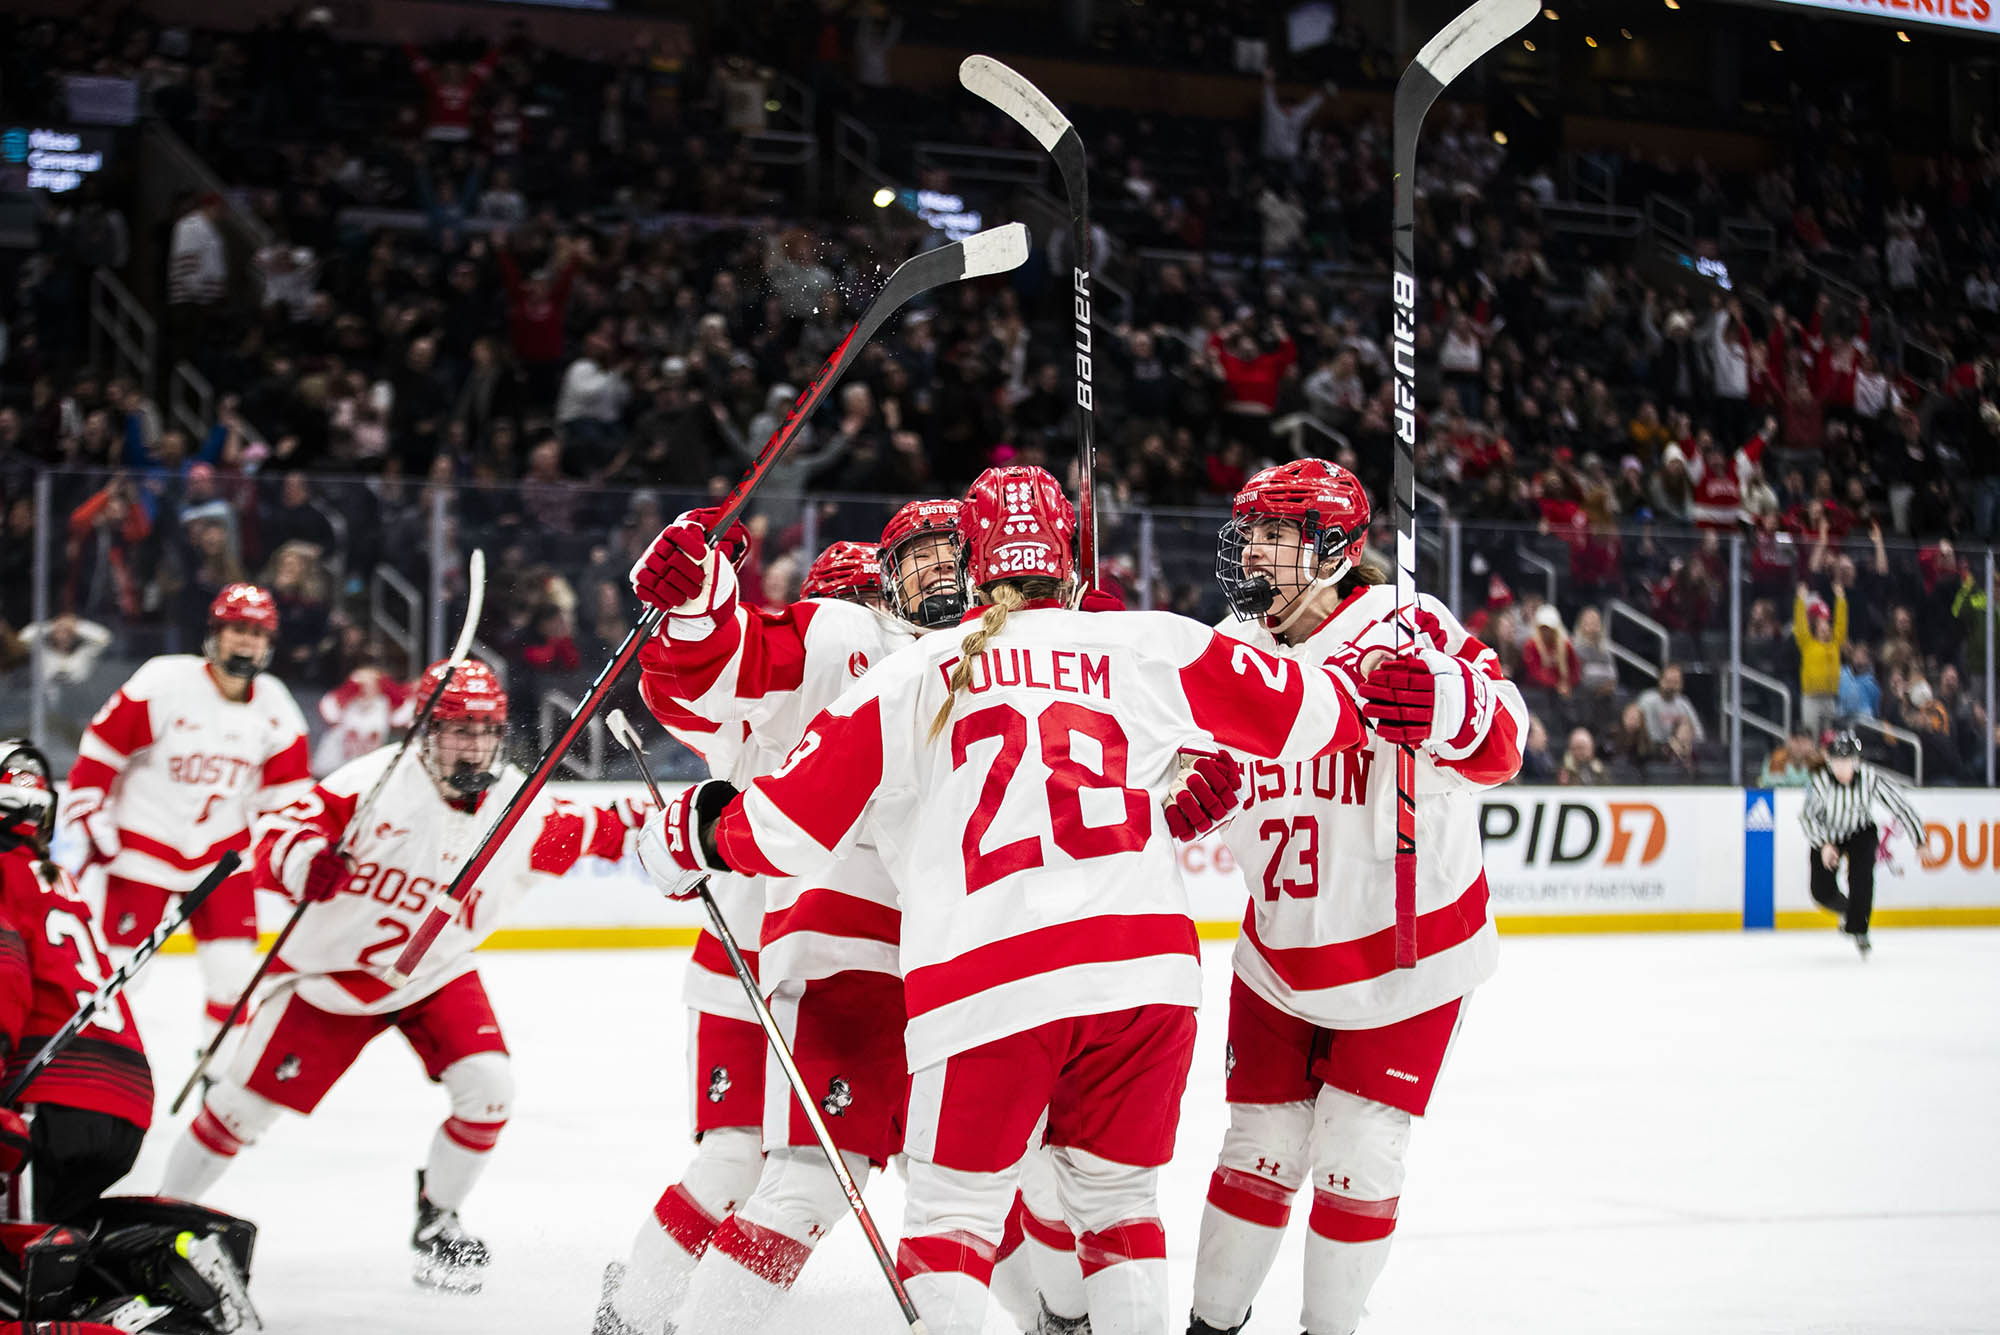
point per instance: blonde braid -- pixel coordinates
(1002, 598)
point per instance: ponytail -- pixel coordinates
(1002, 596)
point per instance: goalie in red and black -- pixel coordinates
(82, 1119)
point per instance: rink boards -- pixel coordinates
(1558, 860)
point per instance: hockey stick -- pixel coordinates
(1477, 30)
(475, 605)
(1030, 108)
(626, 736)
(112, 986)
(994, 251)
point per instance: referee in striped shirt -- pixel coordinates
(1839, 820)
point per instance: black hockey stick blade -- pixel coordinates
(994, 251)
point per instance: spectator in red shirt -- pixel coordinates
(1548, 659)
(536, 306)
(1251, 373)
(449, 93)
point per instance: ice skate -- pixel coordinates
(1196, 1326)
(1051, 1324)
(448, 1259)
(608, 1321)
(1862, 944)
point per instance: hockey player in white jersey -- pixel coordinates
(738, 685)
(1011, 775)
(1332, 1049)
(173, 771)
(329, 999)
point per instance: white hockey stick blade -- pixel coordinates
(1472, 34)
(622, 731)
(212, 1263)
(1024, 103)
(995, 250)
(475, 604)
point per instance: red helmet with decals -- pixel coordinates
(244, 604)
(462, 742)
(850, 570)
(1017, 523)
(1325, 501)
(930, 593)
(475, 693)
(241, 605)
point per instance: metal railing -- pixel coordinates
(1617, 610)
(1534, 561)
(399, 631)
(1782, 725)
(1890, 733)
(118, 320)
(1670, 221)
(190, 401)
(788, 148)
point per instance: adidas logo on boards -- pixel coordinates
(1760, 819)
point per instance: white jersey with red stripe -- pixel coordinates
(740, 692)
(1037, 878)
(405, 858)
(1316, 838)
(183, 771)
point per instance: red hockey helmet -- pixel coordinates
(930, 593)
(241, 605)
(1325, 501)
(244, 605)
(462, 747)
(27, 797)
(849, 570)
(1017, 523)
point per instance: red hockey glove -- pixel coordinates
(1427, 699)
(326, 875)
(1101, 599)
(14, 1143)
(671, 846)
(734, 545)
(1203, 796)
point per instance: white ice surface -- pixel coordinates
(1712, 1133)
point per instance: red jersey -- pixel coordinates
(51, 961)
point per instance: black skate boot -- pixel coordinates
(1051, 1324)
(448, 1259)
(1196, 1326)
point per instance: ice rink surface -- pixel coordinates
(1669, 1133)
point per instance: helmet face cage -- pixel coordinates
(27, 794)
(1255, 595)
(940, 606)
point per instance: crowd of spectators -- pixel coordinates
(553, 292)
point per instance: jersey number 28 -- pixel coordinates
(1057, 728)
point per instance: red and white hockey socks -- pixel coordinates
(1264, 1159)
(1047, 1242)
(756, 1253)
(720, 1177)
(1121, 1248)
(1357, 1178)
(482, 1094)
(229, 1119)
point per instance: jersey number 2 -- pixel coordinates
(1058, 727)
